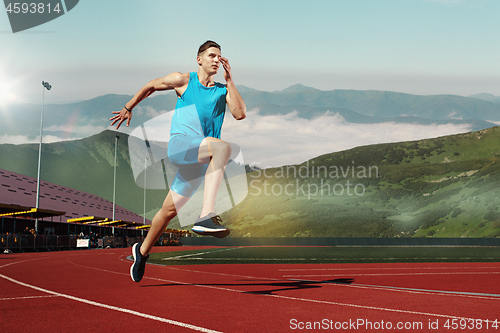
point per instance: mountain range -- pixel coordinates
(84, 118)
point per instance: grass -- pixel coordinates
(322, 255)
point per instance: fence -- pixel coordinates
(17, 242)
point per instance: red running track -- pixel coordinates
(92, 291)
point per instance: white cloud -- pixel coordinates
(53, 138)
(24, 139)
(85, 130)
(148, 111)
(16, 139)
(279, 139)
(157, 129)
(287, 139)
(72, 133)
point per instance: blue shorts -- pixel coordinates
(183, 153)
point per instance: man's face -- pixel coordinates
(210, 60)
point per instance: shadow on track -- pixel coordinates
(278, 286)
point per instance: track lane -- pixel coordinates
(229, 298)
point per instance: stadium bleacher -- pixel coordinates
(58, 204)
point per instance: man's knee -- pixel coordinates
(168, 211)
(221, 147)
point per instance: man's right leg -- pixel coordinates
(140, 251)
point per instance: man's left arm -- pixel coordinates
(234, 100)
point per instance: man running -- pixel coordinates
(194, 147)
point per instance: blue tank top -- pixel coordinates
(200, 110)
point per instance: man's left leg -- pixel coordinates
(216, 153)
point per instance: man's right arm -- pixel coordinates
(176, 80)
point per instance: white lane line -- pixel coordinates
(328, 260)
(111, 307)
(375, 308)
(397, 274)
(383, 268)
(408, 290)
(467, 293)
(198, 254)
(241, 259)
(25, 297)
(21, 261)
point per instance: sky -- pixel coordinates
(422, 47)
(412, 46)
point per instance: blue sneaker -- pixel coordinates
(137, 269)
(210, 226)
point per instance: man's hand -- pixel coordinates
(121, 116)
(227, 69)
(233, 98)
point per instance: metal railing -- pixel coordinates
(21, 242)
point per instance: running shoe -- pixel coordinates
(137, 269)
(210, 226)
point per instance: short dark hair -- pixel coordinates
(208, 44)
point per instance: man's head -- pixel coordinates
(205, 46)
(208, 57)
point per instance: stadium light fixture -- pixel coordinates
(47, 86)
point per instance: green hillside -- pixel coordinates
(85, 165)
(443, 187)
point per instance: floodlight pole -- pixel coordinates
(114, 183)
(145, 182)
(47, 86)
